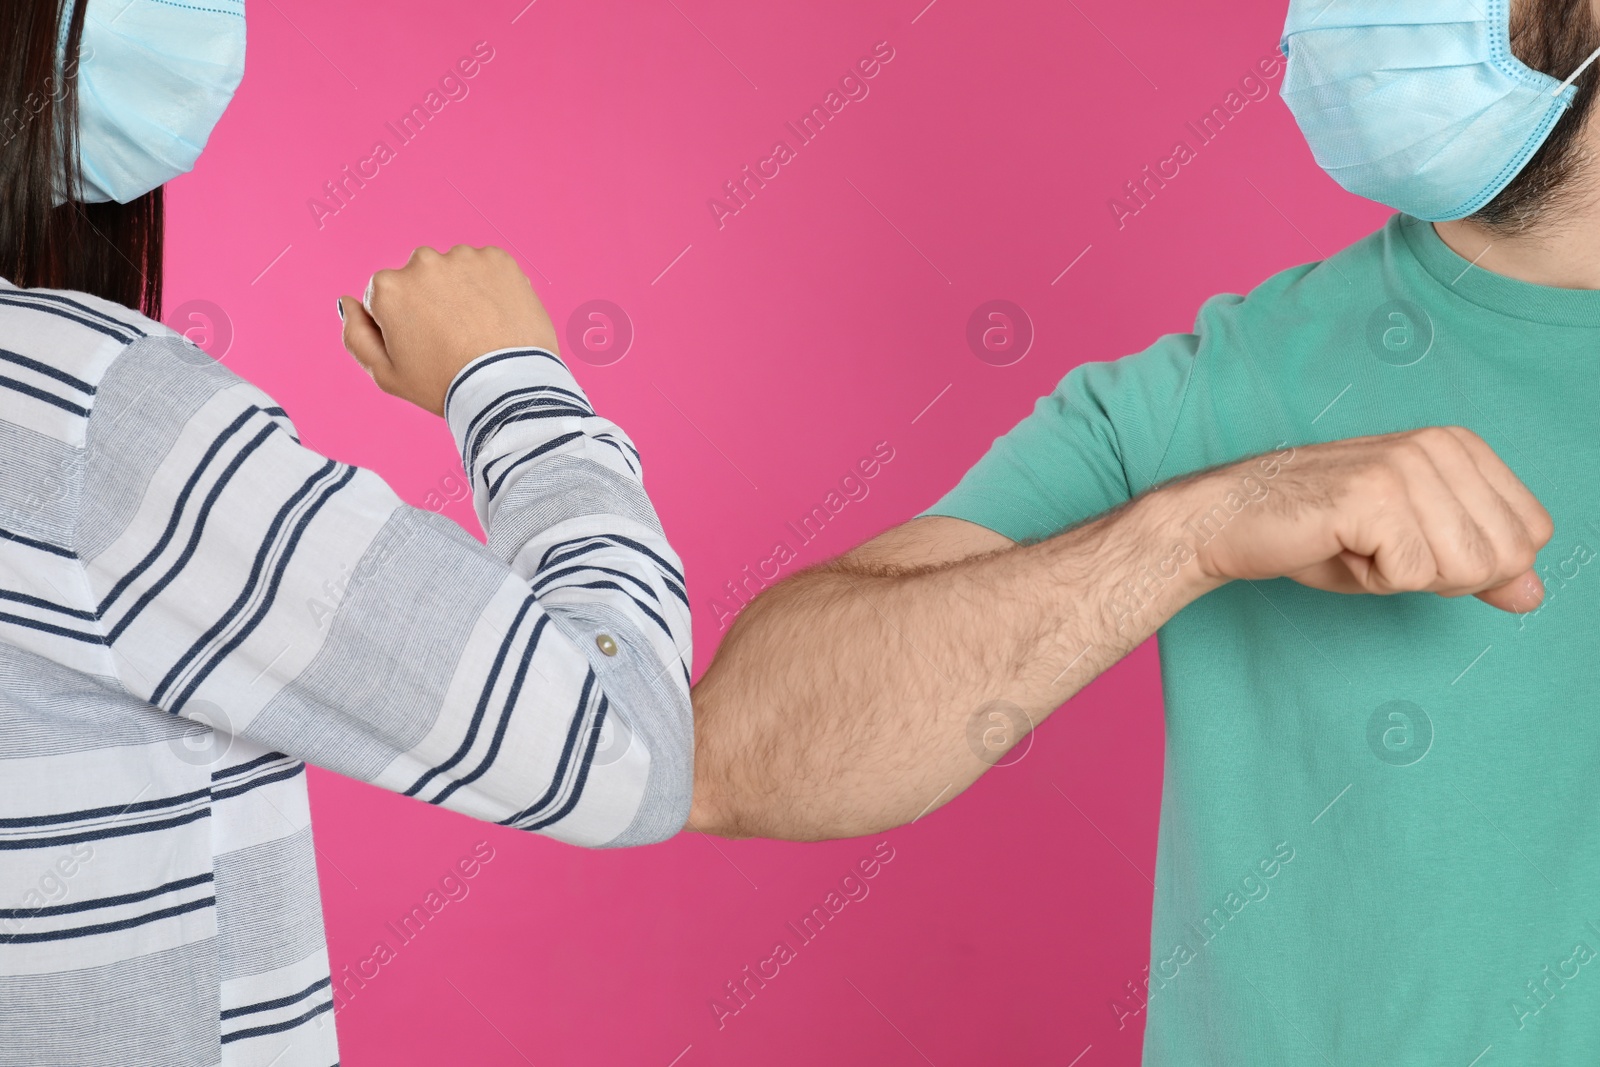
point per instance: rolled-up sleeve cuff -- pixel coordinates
(493, 374)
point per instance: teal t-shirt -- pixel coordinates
(1380, 824)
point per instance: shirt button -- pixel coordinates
(606, 644)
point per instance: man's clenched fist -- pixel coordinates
(1430, 510)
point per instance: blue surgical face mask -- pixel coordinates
(153, 79)
(1417, 104)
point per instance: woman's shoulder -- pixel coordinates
(64, 354)
(65, 321)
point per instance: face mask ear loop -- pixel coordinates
(1581, 68)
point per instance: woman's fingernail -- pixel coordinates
(341, 309)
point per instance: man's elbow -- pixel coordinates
(709, 813)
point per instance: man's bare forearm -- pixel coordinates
(855, 696)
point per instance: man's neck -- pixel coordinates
(1564, 252)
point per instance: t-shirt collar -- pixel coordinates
(1496, 292)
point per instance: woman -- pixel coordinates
(172, 559)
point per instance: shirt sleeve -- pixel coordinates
(240, 579)
(1095, 442)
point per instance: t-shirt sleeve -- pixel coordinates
(1095, 442)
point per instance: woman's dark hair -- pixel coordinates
(1555, 37)
(111, 250)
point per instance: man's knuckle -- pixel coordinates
(1541, 526)
(1476, 571)
(1437, 436)
(1414, 578)
(1415, 451)
(1377, 481)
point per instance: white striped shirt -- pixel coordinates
(172, 559)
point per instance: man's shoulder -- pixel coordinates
(1316, 296)
(1295, 314)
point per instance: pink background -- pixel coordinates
(773, 354)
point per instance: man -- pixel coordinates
(1379, 836)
